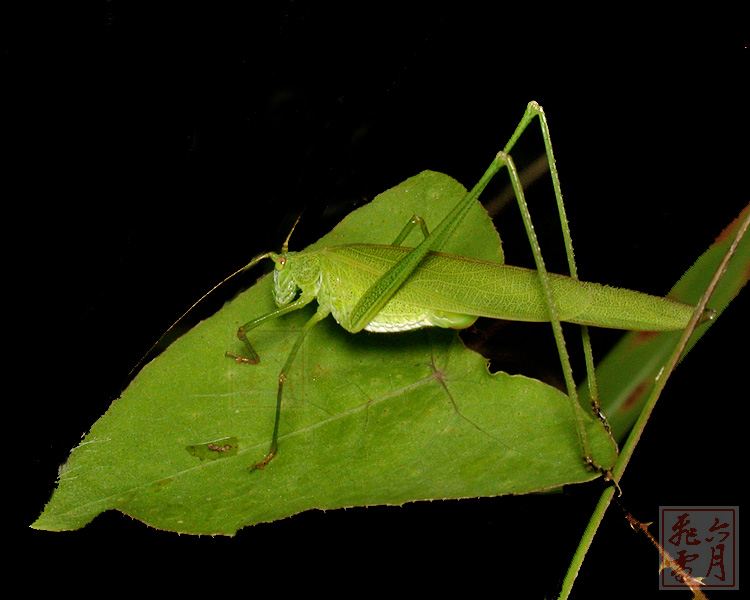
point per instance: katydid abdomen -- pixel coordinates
(452, 291)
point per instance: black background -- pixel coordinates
(159, 147)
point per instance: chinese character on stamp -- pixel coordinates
(703, 541)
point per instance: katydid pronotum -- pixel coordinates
(392, 288)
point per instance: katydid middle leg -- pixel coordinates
(413, 222)
(319, 314)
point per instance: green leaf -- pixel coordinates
(367, 418)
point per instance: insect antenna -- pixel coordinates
(150, 351)
(285, 245)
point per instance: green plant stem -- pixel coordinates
(635, 434)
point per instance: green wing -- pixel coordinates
(455, 284)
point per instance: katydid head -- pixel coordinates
(295, 270)
(284, 284)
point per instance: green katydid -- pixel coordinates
(392, 288)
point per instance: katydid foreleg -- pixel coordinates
(252, 356)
